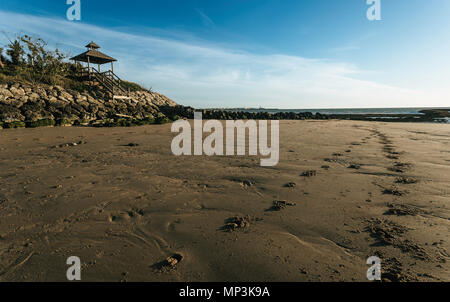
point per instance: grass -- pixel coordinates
(66, 83)
(9, 76)
(132, 87)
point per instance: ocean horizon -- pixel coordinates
(343, 111)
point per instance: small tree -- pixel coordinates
(16, 52)
(44, 65)
(30, 60)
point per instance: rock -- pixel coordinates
(13, 102)
(32, 116)
(102, 115)
(6, 93)
(42, 93)
(10, 114)
(81, 98)
(87, 117)
(33, 96)
(17, 91)
(65, 96)
(55, 102)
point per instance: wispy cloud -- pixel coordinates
(202, 74)
(205, 19)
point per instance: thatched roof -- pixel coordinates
(93, 56)
(92, 45)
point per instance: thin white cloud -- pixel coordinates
(205, 18)
(202, 74)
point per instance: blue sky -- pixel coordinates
(270, 53)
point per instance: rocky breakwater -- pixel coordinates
(423, 116)
(221, 114)
(26, 105)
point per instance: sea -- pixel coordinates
(341, 111)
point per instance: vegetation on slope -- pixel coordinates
(27, 59)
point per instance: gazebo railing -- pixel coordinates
(107, 79)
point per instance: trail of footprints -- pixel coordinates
(387, 232)
(384, 231)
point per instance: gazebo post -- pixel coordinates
(89, 71)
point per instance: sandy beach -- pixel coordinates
(121, 201)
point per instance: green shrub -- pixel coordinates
(161, 118)
(41, 123)
(13, 125)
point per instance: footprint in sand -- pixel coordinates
(290, 185)
(400, 167)
(406, 180)
(244, 183)
(309, 173)
(169, 263)
(123, 216)
(394, 191)
(279, 205)
(355, 166)
(403, 210)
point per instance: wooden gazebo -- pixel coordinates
(94, 57)
(107, 79)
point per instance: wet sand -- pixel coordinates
(343, 191)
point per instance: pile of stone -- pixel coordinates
(260, 115)
(42, 105)
(221, 114)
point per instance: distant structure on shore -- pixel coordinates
(107, 80)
